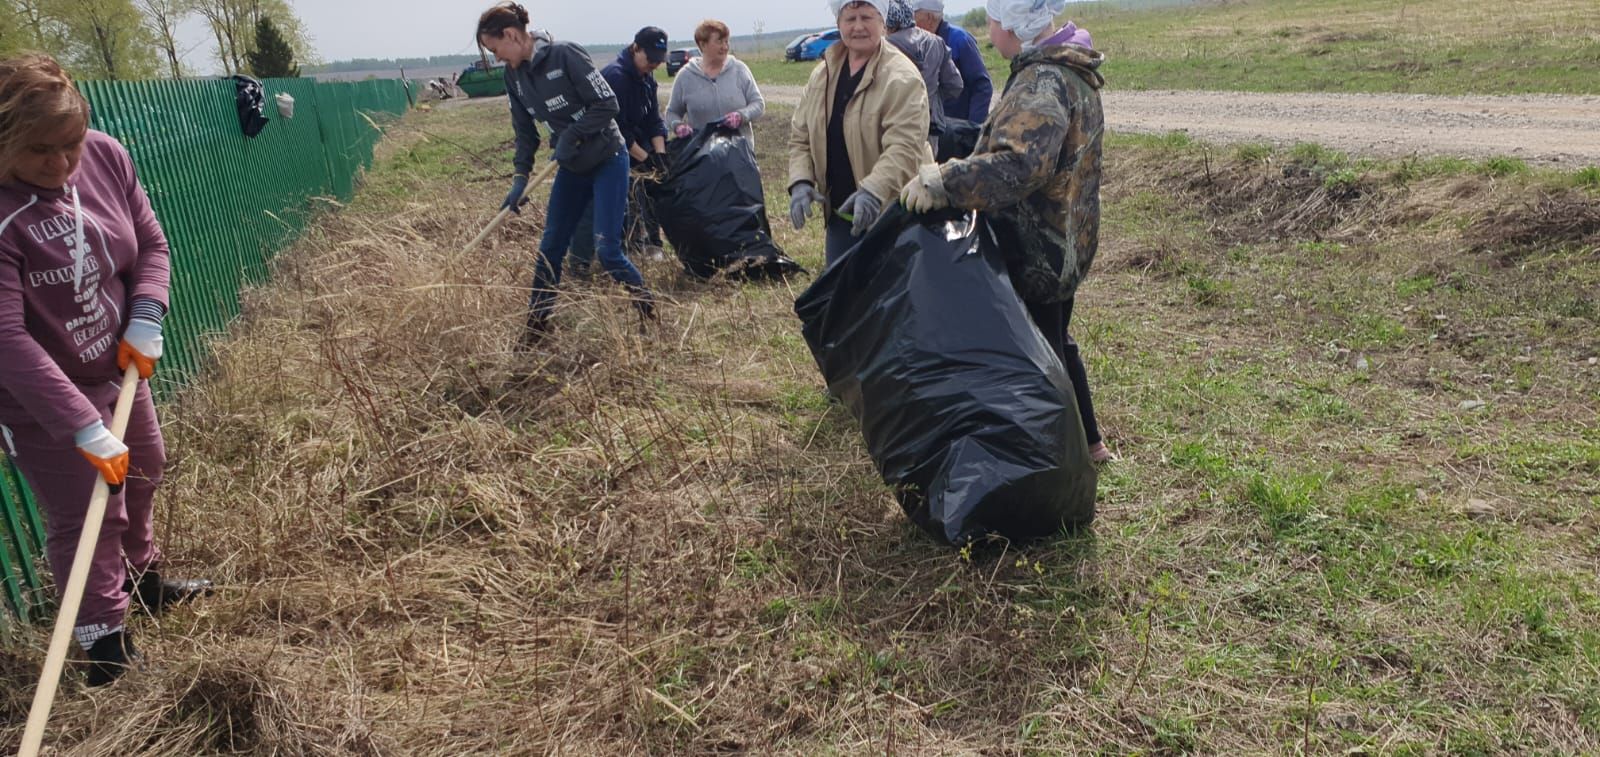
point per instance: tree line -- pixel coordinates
(389, 64)
(137, 39)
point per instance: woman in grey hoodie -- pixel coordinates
(714, 87)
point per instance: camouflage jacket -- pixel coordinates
(1035, 174)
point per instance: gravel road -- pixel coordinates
(1541, 129)
(1547, 130)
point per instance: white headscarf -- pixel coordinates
(838, 6)
(1026, 18)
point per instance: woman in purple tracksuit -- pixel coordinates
(83, 290)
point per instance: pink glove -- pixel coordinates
(683, 130)
(733, 120)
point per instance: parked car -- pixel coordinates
(679, 58)
(816, 46)
(791, 51)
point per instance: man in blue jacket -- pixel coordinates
(632, 78)
(977, 90)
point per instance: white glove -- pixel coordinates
(144, 336)
(141, 346)
(925, 193)
(103, 451)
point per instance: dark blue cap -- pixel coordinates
(653, 41)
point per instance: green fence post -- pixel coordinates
(26, 539)
(13, 578)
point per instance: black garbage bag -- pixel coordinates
(713, 210)
(959, 139)
(966, 409)
(249, 98)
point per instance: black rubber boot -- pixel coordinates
(155, 594)
(644, 302)
(110, 657)
(534, 333)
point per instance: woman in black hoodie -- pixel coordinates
(556, 82)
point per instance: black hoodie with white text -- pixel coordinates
(560, 86)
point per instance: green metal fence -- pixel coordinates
(227, 203)
(21, 546)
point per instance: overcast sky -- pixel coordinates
(343, 29)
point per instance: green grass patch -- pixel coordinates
(773, 69)
(1502, 166)
(1445, 48)
(1355, 46)
(1316, 156)
(1252, 152)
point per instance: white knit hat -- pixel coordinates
(937, 6)
(838, 6)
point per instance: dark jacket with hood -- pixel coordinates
(973, 102)
(560, 86)
(640, 116)
(1036, 171)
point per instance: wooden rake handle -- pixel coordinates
(45, 695)
(506, 213)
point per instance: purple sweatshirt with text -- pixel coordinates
(62, 310)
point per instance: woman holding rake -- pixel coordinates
(83, 291)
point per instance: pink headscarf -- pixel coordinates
(1079, 36)
(1070, 35)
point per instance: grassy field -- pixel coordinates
(1446, 47)
(1357, 407)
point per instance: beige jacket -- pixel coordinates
(885, 124)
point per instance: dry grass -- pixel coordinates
(670, 543)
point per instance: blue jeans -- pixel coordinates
(573, 193)
(837, 240)
(581, 251)
(639, 225)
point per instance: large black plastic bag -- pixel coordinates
(248, 99)
(713, 210)
(966, 409)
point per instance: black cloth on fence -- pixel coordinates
(713, 209)
(958, 140)
(965, 406)
(250, 99)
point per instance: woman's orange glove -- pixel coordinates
(141, 346)
(104, 451)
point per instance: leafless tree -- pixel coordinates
(233, 24)
(226, 19)
(163, 17)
